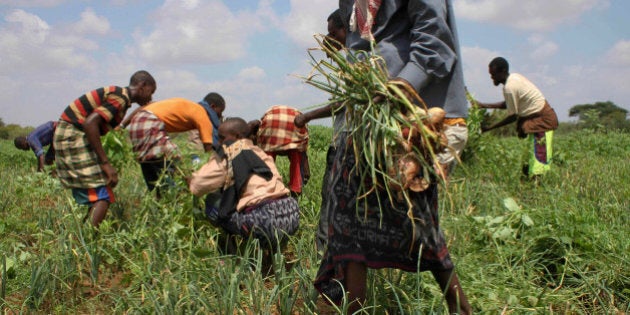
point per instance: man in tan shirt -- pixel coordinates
(526, 106)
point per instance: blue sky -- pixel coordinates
(252, 52)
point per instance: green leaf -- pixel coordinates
(511, 204)
(504, 233)
(496, 220)
(527, 220)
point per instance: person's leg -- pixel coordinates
(356, 283)
(322, 228)
(305, 168)
(540, 159)
(453, 292)
(98, 211)
(295, 171)
(149, 174)
(151, 171)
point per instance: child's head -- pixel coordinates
(216, 102)
(232, 129)
(21, 143)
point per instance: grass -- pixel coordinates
(562, 246)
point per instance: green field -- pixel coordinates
(562, 246)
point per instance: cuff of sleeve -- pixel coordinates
(39, 153)
(416, 76)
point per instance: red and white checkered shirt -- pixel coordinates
(278, 132)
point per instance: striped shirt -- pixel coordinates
(110, 102)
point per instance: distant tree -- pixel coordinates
(600, 115)
(1, 122)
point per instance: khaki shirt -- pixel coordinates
(212, 176)
(522, 97)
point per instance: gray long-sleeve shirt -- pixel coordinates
(418, 41)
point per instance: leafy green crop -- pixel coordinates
(559, 246)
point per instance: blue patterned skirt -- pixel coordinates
(377, 234)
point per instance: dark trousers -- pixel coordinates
(152, 171)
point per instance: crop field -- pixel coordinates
(559, 246)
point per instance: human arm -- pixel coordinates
(209, 178)
(36, 146)
(506, 121)
(127, 120)
(497, 105)
(208, 147)
(322, 112)
(91, 127)
(40, 163)
(432, 45)
(34, 143)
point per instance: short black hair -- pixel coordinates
(142, 76)
(335, 17)
(215, 98)
(500, 64)
(236, 125)
(21, 143)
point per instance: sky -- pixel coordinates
(255, 52)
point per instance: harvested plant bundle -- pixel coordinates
(395, 137)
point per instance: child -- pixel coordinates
(254, 202)
(36, 141)
(82, 164)
(149, 130)
(278, 135)
(215, 106)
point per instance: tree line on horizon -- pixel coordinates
(598, 116)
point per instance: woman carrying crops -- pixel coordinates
(417, 41)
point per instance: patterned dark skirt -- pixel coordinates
(270, 222)
(379, 236)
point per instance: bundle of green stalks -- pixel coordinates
(395, 137)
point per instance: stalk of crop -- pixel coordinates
(475, 115)
(3, 280)
(395, 137)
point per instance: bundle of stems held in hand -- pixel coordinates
(395, 137)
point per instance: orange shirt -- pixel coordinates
(179, 115)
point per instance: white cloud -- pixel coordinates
(477, 79)
(90, 23)
(29, 44)
(542, 48)
(619, 54)
(306, 19)
(252, 73)
(532, 15)
(32, 3)
(197, 32)
(27, 26)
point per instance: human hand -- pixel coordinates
(300, 120)
(110, 173)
